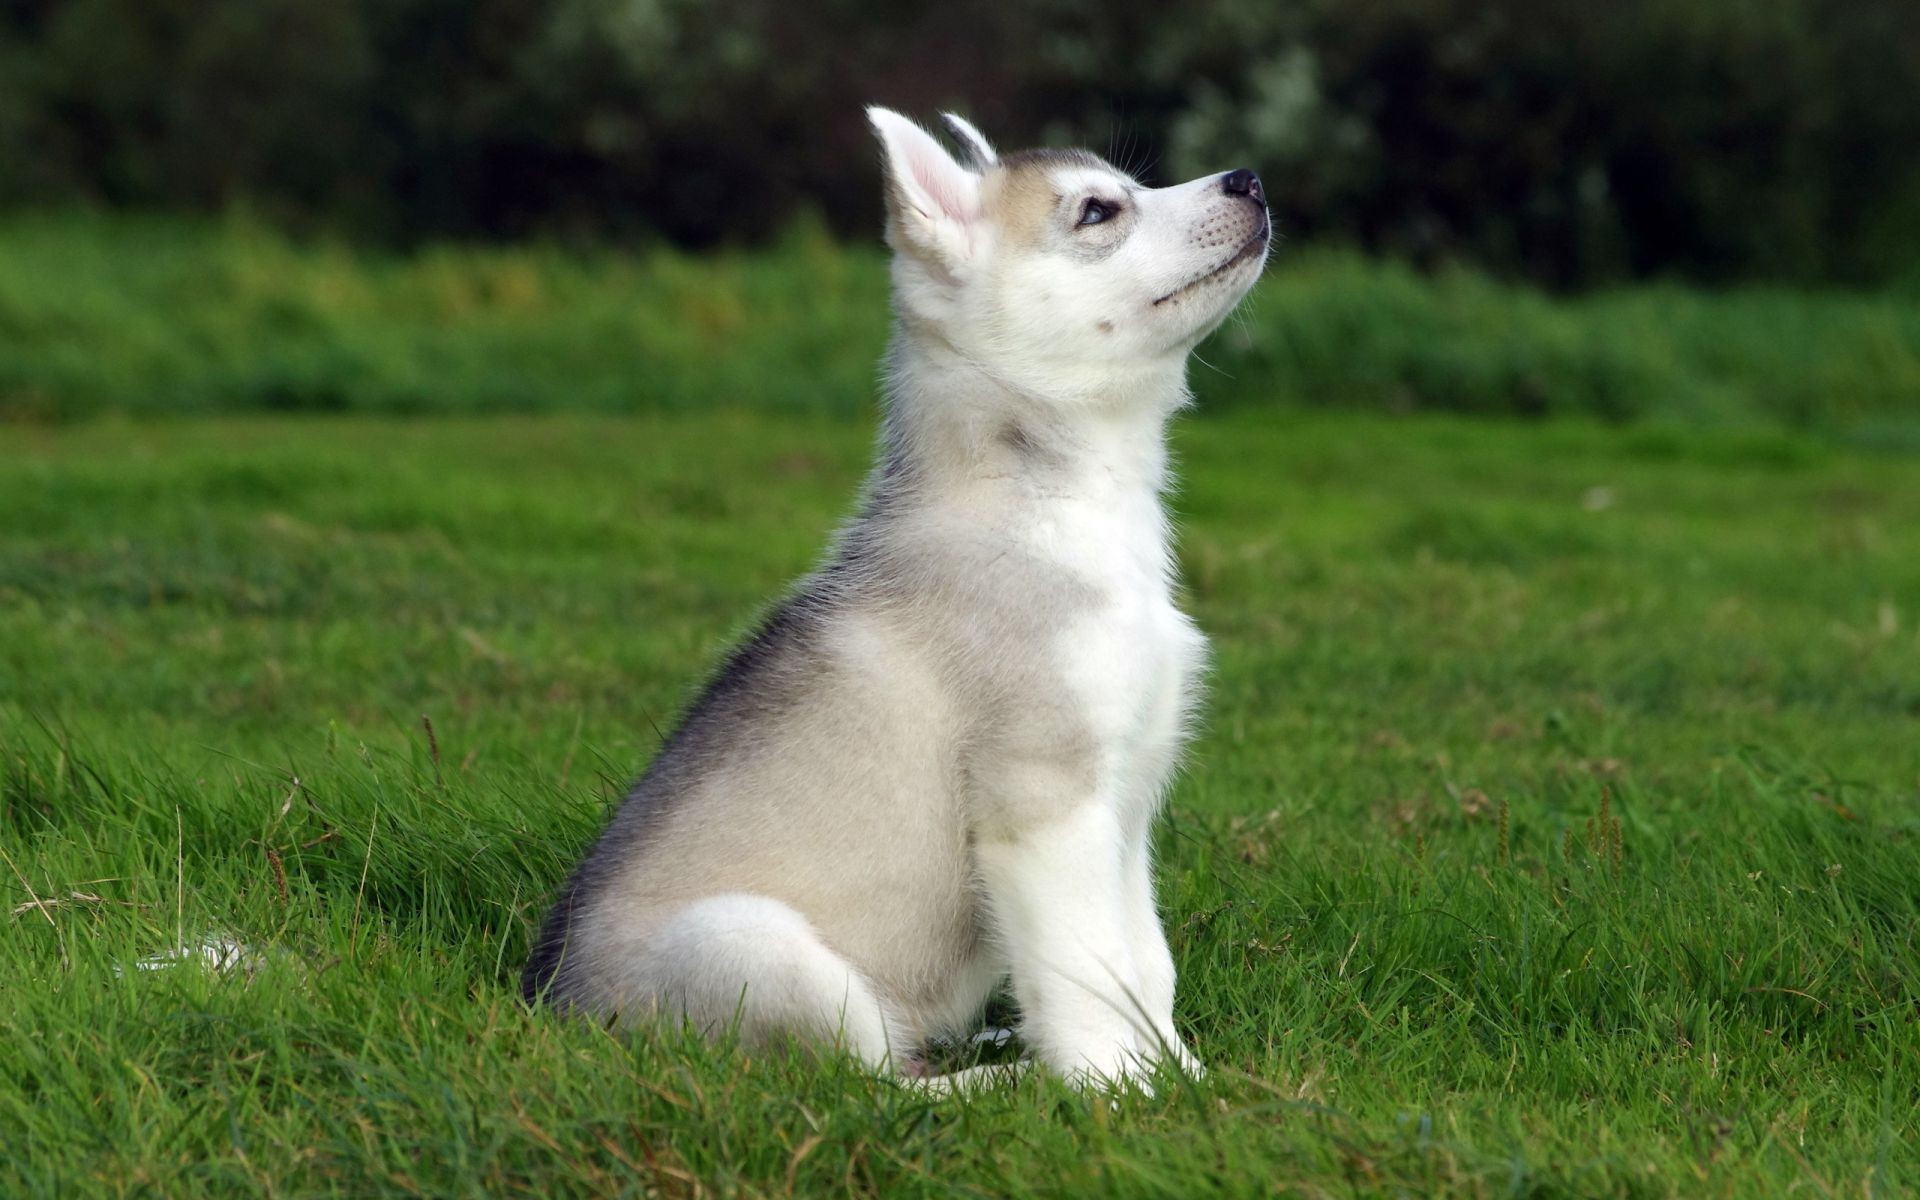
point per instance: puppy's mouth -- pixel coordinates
(1257, 244)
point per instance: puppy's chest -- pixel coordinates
(1119, 640)
(1112, 546)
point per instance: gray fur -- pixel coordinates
(782, 694)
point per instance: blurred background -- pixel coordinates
(1489, 205)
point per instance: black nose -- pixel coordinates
(1244, 183)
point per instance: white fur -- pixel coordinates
(944, 774)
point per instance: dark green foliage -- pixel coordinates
(1569, 143)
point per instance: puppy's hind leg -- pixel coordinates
(756, 961)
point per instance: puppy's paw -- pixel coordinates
(1178, 1056)
(971, 1080)
(1130, 1064)
(1105, 1067)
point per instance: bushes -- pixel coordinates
(1569, 144)
(1336, 329)
(168, 316)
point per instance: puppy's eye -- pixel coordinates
(1096, 211)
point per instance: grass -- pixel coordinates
(152, 315)
(1553, 831)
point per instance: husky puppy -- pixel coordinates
(935, 766)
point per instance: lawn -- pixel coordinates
(1554, 827)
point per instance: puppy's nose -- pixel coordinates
(1244, 183)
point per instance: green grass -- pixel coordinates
(1554, 829)
(151, 315)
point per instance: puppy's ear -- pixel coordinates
(933, 203)
(979, 151)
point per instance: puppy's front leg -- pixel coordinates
(1057, 893)
(1153, 959)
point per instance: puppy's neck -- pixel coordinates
(952, 419)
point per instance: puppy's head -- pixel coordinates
(1052, 265)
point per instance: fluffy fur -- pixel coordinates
(935, 766)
